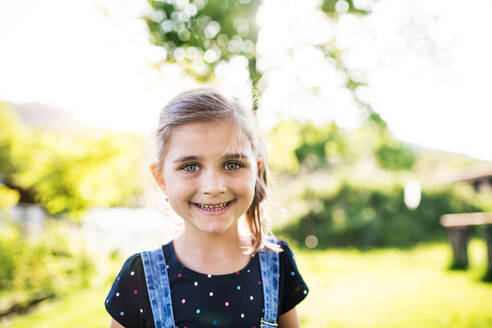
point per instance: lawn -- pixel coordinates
(348, 288)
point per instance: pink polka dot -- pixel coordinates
(135, 292)
(259, 282)
(179, 275)
(226, 303)
(237, 272)
(183, 301)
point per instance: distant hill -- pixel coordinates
(47, 117)
(454, 159)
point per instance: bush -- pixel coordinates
(393, 155)
(36, 268)
(361, 216)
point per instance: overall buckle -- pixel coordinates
(268, 324)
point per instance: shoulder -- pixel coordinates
(131, 269)
(127, 301)
(293, 288)
(132, 264)
(285, 248)
(132, 260)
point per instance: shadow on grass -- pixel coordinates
(487, 277)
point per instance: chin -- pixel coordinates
(216, 228)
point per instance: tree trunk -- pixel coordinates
(459, 237)
(488, 241)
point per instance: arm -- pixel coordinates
(115, 324)
(289, 319)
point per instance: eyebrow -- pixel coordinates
(197, 158)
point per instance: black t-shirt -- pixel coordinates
(201, 300)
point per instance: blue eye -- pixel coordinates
(232, 166)
(192, 167)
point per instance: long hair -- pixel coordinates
(206, 105)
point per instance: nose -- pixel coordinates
(212, 183)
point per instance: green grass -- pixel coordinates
(394, 288)
(348, 288)
(81, 309)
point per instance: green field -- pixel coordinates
(348, 288)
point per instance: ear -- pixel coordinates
(159, 179)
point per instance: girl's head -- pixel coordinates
(211, 163)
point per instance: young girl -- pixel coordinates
(212, 167)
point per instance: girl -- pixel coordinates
(212, 167)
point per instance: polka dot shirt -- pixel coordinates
(204, 300)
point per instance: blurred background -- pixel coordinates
(376, 114)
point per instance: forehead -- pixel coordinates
(208, 140)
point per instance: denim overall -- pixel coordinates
(160, 294)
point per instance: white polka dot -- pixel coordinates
(242, 315)
(249, 270)
(209, 275)
(251, 298)
(118, 278)
(132, 273)
(211, 294)
(117, 294)
(196, 283)
(167, 266)
(305, 292)
(107, 301)
(141, 311)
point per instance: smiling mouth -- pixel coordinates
(213, 207)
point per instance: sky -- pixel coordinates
(426, 65)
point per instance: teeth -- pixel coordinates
(212, 207)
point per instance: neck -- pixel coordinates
(212, 253)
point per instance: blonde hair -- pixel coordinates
(206, 105)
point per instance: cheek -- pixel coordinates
(250, 185)
(177, 189)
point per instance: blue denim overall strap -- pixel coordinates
(269, 265)
(158, 287)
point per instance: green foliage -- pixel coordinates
(8, 198)
(393, 155)
(282, 141)
(200, 34)
(11, 132)
(292, 144)
(329, 7)
(49, 265)
(363, 216)
(68, 173)
(320, 145)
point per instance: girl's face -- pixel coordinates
(209, 175)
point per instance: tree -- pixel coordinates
(333, 9)
(199, 34)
